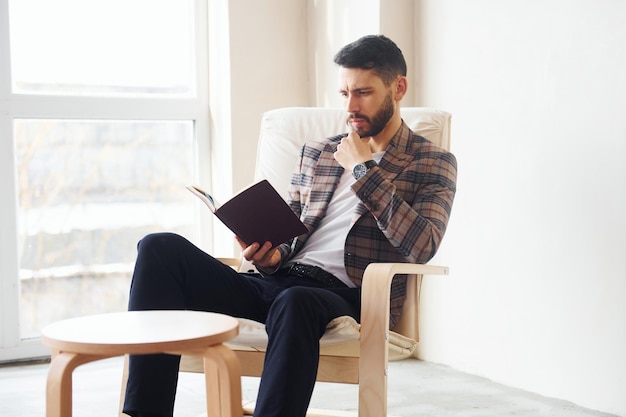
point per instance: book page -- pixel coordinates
(204, 196)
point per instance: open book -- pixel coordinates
(256, 214)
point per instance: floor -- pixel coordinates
(434, 391)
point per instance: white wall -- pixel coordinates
(537, 241)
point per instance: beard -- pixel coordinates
(379, 121)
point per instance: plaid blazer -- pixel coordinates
(405, 204)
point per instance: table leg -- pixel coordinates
(223, 382)
(59, 383)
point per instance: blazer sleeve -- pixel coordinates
(412, 210)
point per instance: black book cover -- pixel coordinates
(256, 214)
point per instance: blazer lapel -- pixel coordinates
(399, 153)
(325, 181)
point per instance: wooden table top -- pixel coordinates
(140, 332)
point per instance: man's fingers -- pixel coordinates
(255, 253)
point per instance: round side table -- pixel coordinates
(85, 339)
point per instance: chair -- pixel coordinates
(350, 353)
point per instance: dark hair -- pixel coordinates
(375, 52)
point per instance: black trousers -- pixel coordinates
(172, 273)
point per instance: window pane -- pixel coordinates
(88, 191)
(102, 47)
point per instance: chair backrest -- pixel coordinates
(284, 131)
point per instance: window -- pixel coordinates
(102, 105)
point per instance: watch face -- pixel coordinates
(359, 171)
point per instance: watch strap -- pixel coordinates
(370, 164)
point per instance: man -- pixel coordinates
(377, 194)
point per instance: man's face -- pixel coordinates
(369, 103)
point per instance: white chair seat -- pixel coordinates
(341, 330)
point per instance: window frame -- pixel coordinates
(16, 106)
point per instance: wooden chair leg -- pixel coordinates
(59, 383)
(223, 382)
(373, 389)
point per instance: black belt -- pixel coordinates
(315, 273)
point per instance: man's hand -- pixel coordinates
(353, 150)
(260, 255)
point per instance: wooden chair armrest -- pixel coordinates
(376, 290)
(389, 270)
(234, 262)
(374, 353)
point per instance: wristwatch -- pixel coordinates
(361, 169)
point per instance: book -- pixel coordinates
(256, 214)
